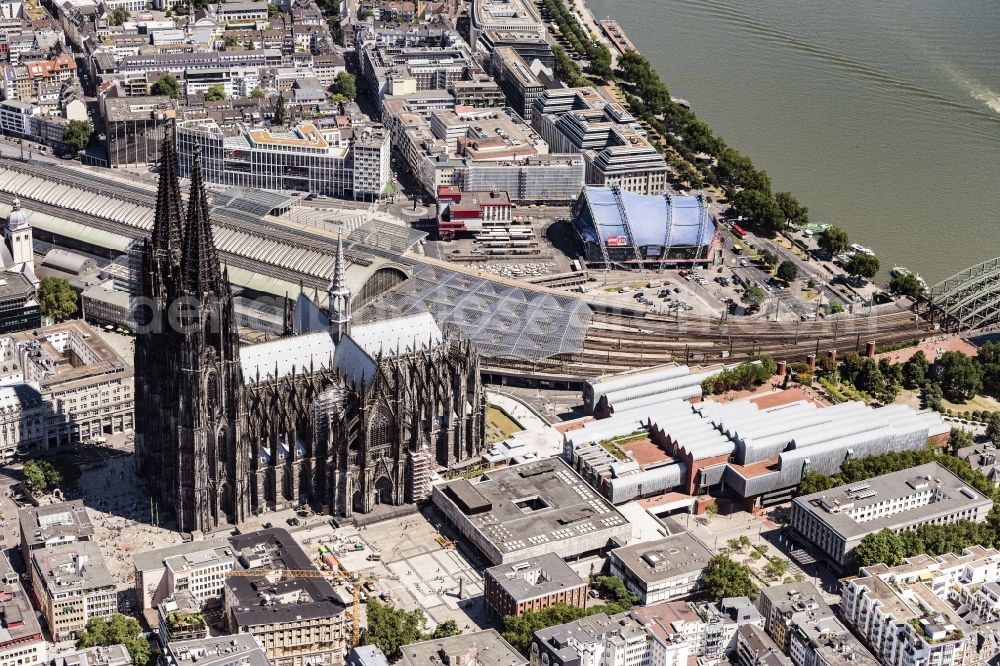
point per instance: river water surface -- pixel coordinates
(882, 117)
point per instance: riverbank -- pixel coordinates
(865, 117)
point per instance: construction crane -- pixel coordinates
(340, 575)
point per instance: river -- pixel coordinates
(881, 117)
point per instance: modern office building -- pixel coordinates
(610, 138)
(477, 213)
(480, 648)
(528, 510)
(519, 16)
(202, 573)
(71, 584)
(528, 43)
(520, 85)
(135, 127)
(834, 521)
(19, 309)
(304, 158)
(532, 585)
(663, 570)
(152, 583)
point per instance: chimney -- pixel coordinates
(832, 355)
(811, 360)
(782, 368)
(870, 349)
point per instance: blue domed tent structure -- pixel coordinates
(629, 229)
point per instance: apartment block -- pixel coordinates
(940, 610)
(618, 640)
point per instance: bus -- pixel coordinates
(739, 231)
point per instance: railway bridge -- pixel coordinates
(969, 299)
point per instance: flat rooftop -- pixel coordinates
(240, 649)
(19, 620)
(535, 577)
(532, 504)
(484, 648)
(156, 559)
(653, 561)
(72, 566)
(258, 600)
(857, 509)
(69, 354)
(54, 523)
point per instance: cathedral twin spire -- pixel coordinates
(183, 248)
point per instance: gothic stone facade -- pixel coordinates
(217, 446)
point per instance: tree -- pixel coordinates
(959, 439)
(760, 208)
(725, 577)
(216, 92)
(906, 284)
(273, 11)
(862, 264)
(884, 546)
(518, 630)
(446, 629)
(915, 370)
(346, 85)
(77, 134)
(280, 114)
(958, 375)
(787, 271)
(768, 258)
(814, 482)
(34, 475)
(754, 295)
(988, 360)
(793, 212)
(56, 298)
(168, 86)
(776, 568)
(616, 589)
(121, 629)
(390, 628)
(118, 16)
(231, 42)
(993, 428)
(257, 93)
(834, 240)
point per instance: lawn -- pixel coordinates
(499, 426)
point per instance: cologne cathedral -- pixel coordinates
(340, 418)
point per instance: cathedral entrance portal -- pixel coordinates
(383, 490)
